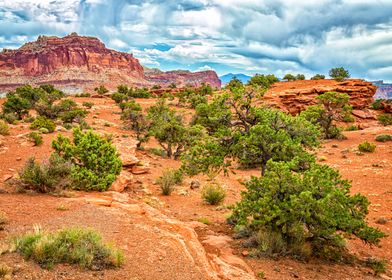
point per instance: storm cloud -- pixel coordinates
(248, 36)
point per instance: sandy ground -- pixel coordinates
(148, 255)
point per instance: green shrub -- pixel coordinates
(73, 246)
(213, 194)
(36, 138)
(42, 122)
(88, 105)
(367, 147)
(5, 271)
(352, 128)
(10, 118)
(303, 212)
(46, 177)
(339, 74)
(95, 160)
(384, 138)
(385, 119)
(75, 115)
(318, 77)
(378, 266)
(4, 128)
(169, 179)
(376, 105)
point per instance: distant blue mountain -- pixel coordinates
(227, 78)
(384, 91)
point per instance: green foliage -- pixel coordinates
(339, 73)
(289, 77)
(384, 138)
(95, 160)
(234, 83)
(300, 77)
(16, 105)
(333, 106)
(378, 266)
(264, 81)
(367, 147)
(88, 105)
(352, 128)
(101, 90)
(135, 120)
(71, 245)
(4, 128)
(237, 130)
(46, 177)
(377, 104)
(36, 138)
(75, 115)
(139, 93)
(42, 122)
(194, 96)
(385, 119)
(10, 118)
(169, 179)
(119, 97)
(318, 77)
(170, 131)
(213, 194)
(294, 209)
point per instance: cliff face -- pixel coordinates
(76, 63)
(293, 97)
(183, 78)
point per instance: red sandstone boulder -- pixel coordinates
(294, 97)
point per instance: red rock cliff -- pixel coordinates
(295, 96)
(77, 63)
(183, 78)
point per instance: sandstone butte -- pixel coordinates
(293, 97)
(75, 63)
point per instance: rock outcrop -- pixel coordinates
(183, 78)
(76, 63)
(293, 97)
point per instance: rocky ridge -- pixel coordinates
(75, 63)
(294, 97)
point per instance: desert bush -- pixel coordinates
(367, 147)
(376, 105)
(10, 118)
(384, 138)
(378, 266)
(46, 177)
(264, 81)
(339, 73)
(4, 128)
(42, 122)
(36, 138)
(169, 179)
(101, 90)
(16, 105)
(311, 208)
(71, 245)
(352, 128)
(95, 160)
(5, 271)
(119, 97)
(139, 93)
(289, 77)
(385, 119)
(75, 115)
(333, 106)
(300, 77)
(318, 77)
(88, 105)
(213, 194)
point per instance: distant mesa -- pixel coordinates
(384, 91)
(225, 79)
(82, 62)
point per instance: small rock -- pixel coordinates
(245, 253)
(122, 181)
(195, 184)
(7, 177)
(18, 158)
(137, 170)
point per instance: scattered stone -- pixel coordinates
(99, 201)
(195, 184)
(122, 181)
(245, 253)
(18, 158)
(7, 177)
(363, 114)
(137, 170)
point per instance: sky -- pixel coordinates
(237, 36)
